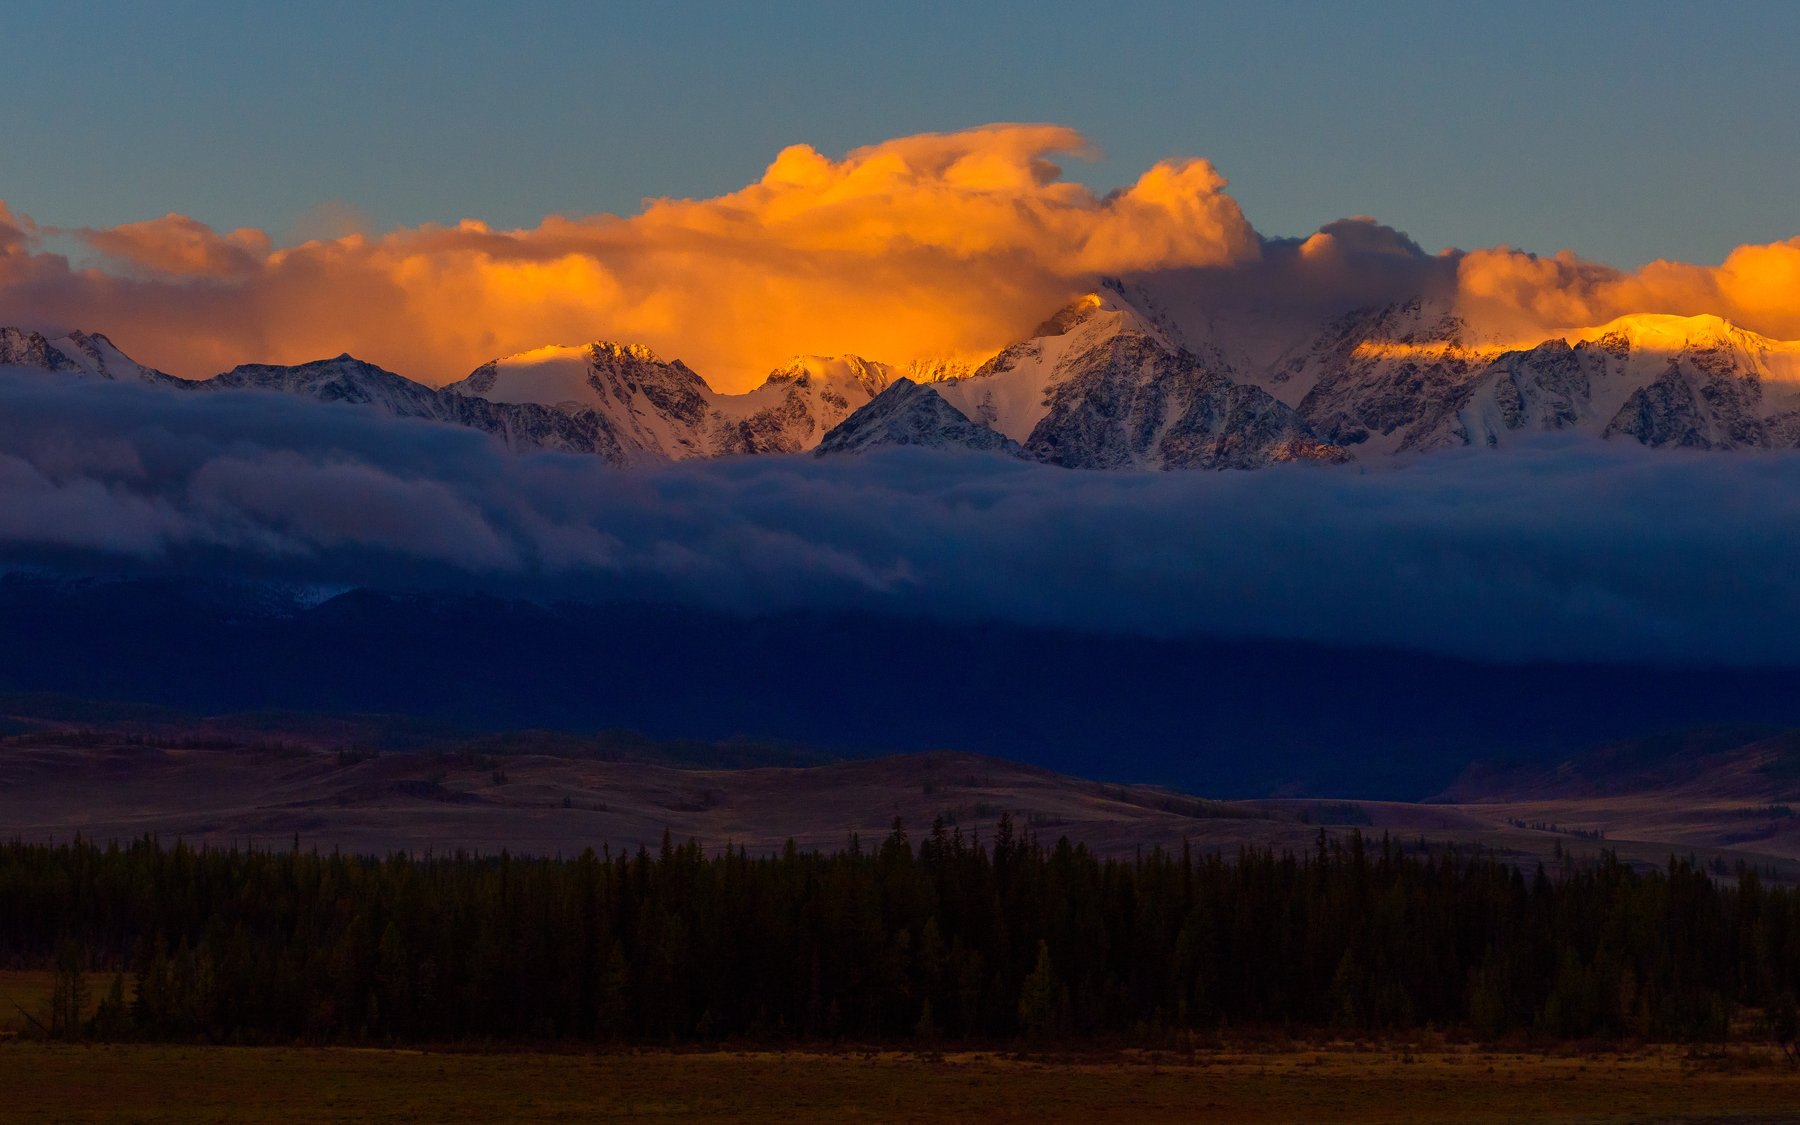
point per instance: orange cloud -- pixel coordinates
(182, 247)
(14, 232)
(1512, 293)
(939, 244)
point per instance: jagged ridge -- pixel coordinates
(1106, 382)
(909, 413)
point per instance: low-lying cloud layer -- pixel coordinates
(1556, 551)
(934, 245)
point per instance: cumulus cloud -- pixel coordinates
(1555, 551)
(935, 245)
(177, 246)
(940, 244)
(1511, 291)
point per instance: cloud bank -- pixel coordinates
(922, 246)
(1555, 551)
(935, 245)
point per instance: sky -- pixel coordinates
(433, 187)
(1626, 132)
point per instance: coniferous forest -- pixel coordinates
(942, 939)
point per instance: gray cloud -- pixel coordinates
(1558, 550)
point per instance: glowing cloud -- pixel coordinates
(178, 246)
(940, 244)
(1506, 290)
(933, 246)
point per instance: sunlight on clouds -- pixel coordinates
(941, 245)
(1757, 287)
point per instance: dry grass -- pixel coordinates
(1341, 1083)
(23, 993)
(546, 806)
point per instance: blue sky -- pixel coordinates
(1625, 131)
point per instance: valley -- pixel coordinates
(537, 793)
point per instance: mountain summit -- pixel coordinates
(1122, 377)
(909, 413)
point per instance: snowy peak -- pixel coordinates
(79, 354)
(1136, 405)
(22, 348)
(1664, 332)
(1103, 385)
(342, 377)
(589, 375)
(1414, 331)
(1013, 392)
(936, 370)
(98, 355)
(1128, 375)
(909, 413)
(1703, 338)
(1692, 382)
(1115, 307)
(1070, 315)
(868, 376)
(346, 379)
(653, 409)
(664, 410)
(1370, 377)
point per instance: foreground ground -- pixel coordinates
(1341, 1083)
(1428, 1080)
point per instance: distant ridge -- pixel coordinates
(1109, 381)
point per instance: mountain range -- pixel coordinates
(1126, 377)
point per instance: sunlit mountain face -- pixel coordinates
(937, 249)
(931, 385)
(1146, 328)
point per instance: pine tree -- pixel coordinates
(1042, 999)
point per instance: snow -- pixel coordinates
(909, 413)
(1408, 377)
(77, 355)
(550, 376)
(1661, 334)
(1011, 392)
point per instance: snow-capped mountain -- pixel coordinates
(1370, 374)
(662, 410)
(1103, 385)
(653, 410)
(80, 354)
(1695, 382)
(345, 379)
(1119, 378)
(909, 413)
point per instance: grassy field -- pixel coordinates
(544, 805)
(1342, 1083)
(1345, 1082)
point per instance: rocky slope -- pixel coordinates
(1370, 375)
(1108, 382)
(1102, 385)
(79, 354)
(662, 410)
(909, 413)
(1690, 382)
(345, 379)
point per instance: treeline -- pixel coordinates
(945, 938)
